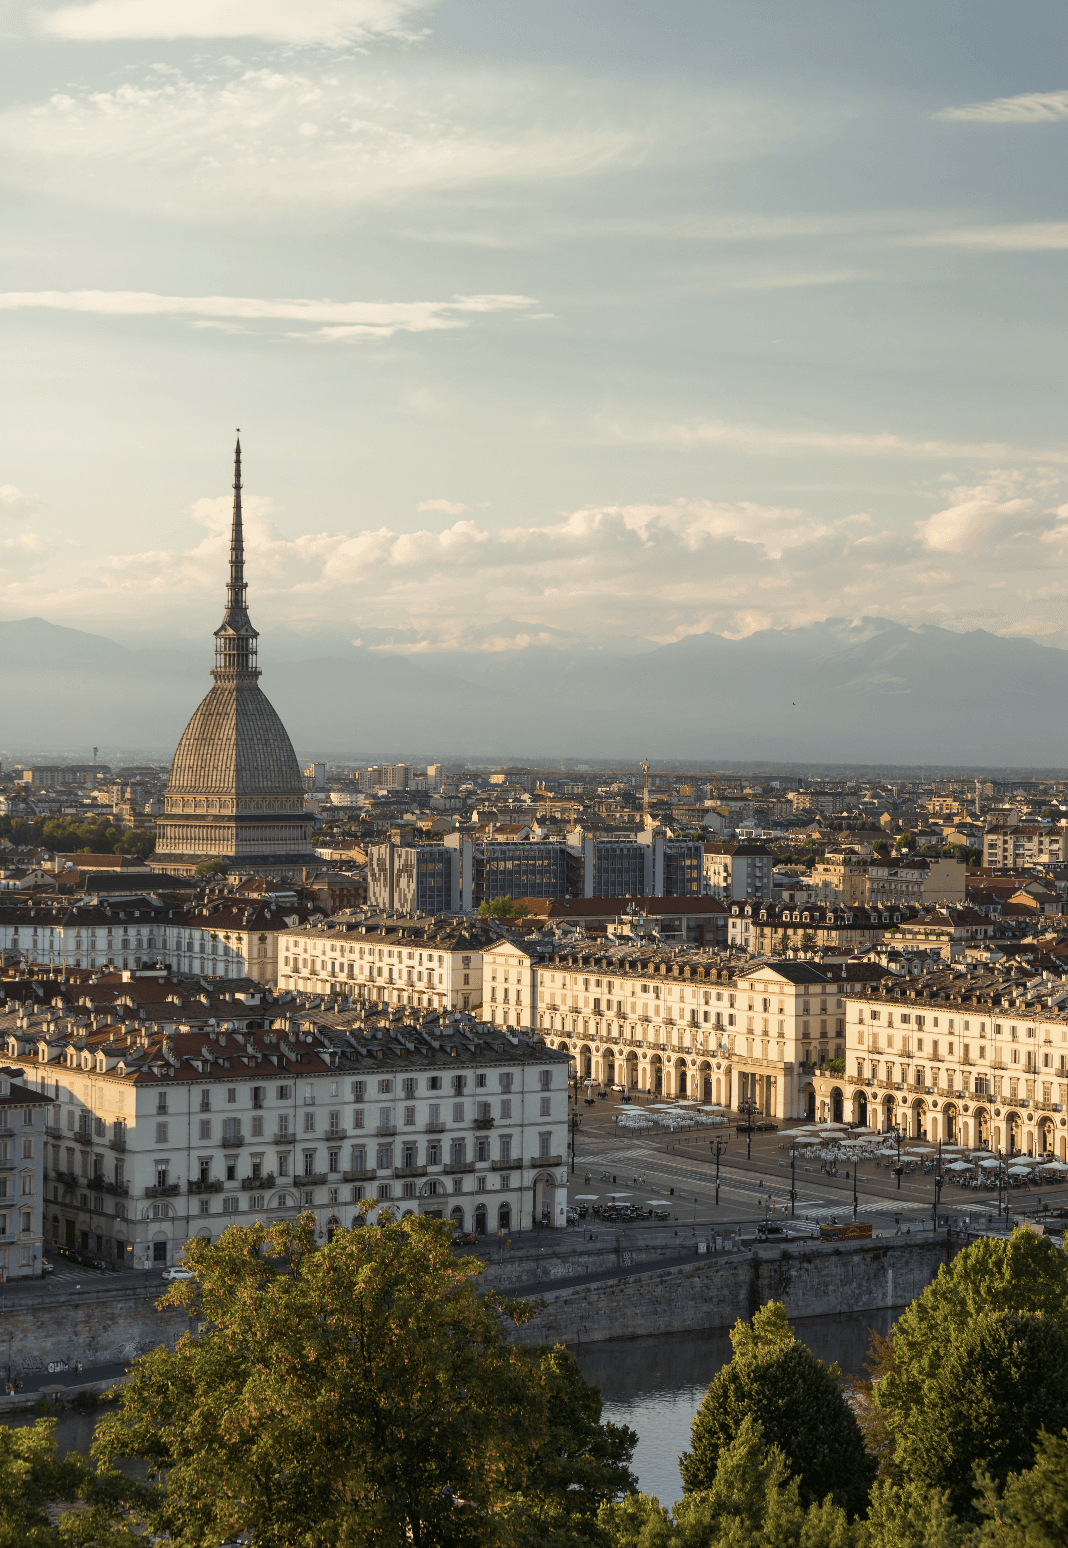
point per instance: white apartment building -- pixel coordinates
(1024, 844)
(223, 939)
(24, 1116)
(415, 965)
(685, 1023)
(942, 1061)
(737, 871)
(154, 1138)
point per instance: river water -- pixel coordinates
(655, 1385)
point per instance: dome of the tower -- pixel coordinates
(235, 744)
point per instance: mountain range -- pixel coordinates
(861, 692)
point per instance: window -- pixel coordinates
(357, 1117)
(434, 1083)
(161, 1106)
(546, 1107)
(257, 1126)
(506, 1108)
(309, 1123)
(231, 1093)
(205, 1128)
(457, 1112)
(545, 1146)
(309, 1163)
(384, 1087)
(161, 1134)
(285, 1093)
(409, 1086)
(409, 1115)
(230, 1205)
(506, 1082)
(359, 1089)
(384, 1159)
(333, 1162)
(546, 1079)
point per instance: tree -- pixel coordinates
(211, 868)
(750, 1500)
(1032, 1511)
(32, 1477)
(502, 908)
(906, 841)
(1002, 1380)
(1025, 1274)
(359, 1392)
(799, 1405)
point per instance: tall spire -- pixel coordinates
(235, 638)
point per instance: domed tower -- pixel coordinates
(235, 791)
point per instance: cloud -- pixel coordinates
(14, 503)
(345, 319)
(1032, 236)
(446, 507)
(763, 439)
(1033, 107)
(260, 142)
(281, 21)
(972, 515)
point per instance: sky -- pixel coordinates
(606, 323)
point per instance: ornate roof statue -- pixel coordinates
(235, 792)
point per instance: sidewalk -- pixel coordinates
(36, 1384)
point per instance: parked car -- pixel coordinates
(465, 1239)
(177, 1273)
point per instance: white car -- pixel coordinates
(177, 1273)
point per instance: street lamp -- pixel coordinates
(719, 1148)
(574, 1128)
(895, 1134)
(938, 1181)
(747, 1108)
(793, 1178)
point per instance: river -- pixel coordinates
(655, 1385)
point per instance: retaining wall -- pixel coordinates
(98, 1328)
(713, 1292)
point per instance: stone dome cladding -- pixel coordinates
(236, 744)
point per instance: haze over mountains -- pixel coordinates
(864, 692)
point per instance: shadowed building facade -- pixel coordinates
(235, 792)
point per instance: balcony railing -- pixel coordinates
(254, 1183)
(163, 1191)
(367, 1175)
(117, 1144)
(410, 1171)
(546, 1160)
(312, 1179)
(283, 1138)
(506, 1166)
(484, 1123)
(459, 1166)
(387, 1128)
(435, 1128)
(336, 1134)
(196, 1186)
(231, 1141)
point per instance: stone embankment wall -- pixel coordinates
(99, 1327)
(812, 1280)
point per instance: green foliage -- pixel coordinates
(211, 868)
(905, 842)
(912, 1516)
(751, 1502)
(999, 1382)
(502, 908)
(66, 835)
(361, 1392)
(32, 1477)
(1033, 1509)
(798, 1404)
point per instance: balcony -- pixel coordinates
(410, 1171)
(484, 1123)
(163, 1191)
(368, 1175)
(117, 1190)
(117, 1144)
(546, 1160)
(505, 1166)
(312, 1179)
(52, 1130)
(253, 1183)
(459, 1166)
(231, 1141)
(284, 1138)
(435, 1128)
(204, 1187)
(336, 1134)
(387, 1128)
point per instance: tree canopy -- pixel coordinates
(800, 1408)
(502, 908)
(359, 1392)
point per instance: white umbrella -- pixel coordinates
(959, 1166)
(921, 1150)
(1054, 1166)
(666, 1202)
(991, 1162)
(585, 1198)
(1020, 1171)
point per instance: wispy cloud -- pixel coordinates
(973, 514)
(1032, 107)
(269, 141)
(446, 507)
(1030, 236)
(759, 439)
(341, 319)
(283, 21)
(14, 503)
